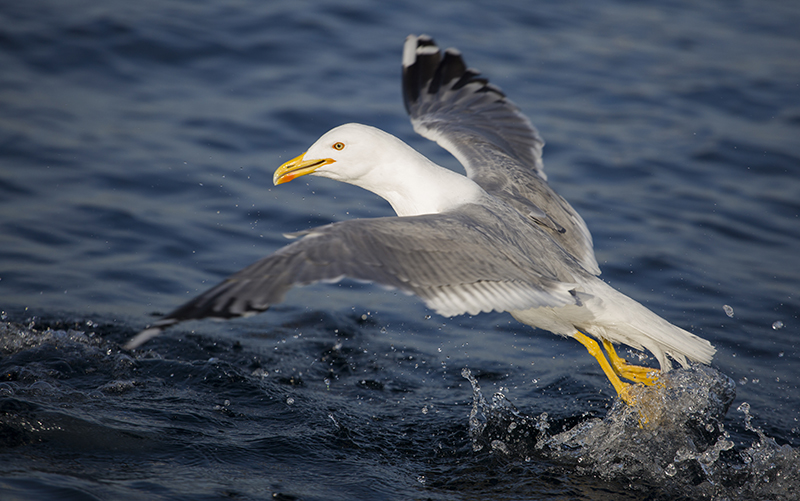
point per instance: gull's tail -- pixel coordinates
(620, 319)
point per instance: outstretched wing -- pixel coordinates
(465, 262)
(497, 145)
(450, 103)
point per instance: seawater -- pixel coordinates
(137, 144)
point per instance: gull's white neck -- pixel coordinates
(414, 185)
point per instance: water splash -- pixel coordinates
(684, 451)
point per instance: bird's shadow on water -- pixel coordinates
(682, 450)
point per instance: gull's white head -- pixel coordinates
(379, 162)
(348, 153)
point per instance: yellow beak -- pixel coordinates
(297, 167)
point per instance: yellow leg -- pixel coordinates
(636, 373)
(596, 352)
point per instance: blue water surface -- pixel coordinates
(137, 145)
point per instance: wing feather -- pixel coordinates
(465, 262)
(498, 146)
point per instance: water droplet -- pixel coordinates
(728, 310)
(777, 325)
(670, 470)
(498, 445)
(290, 400)
(425, 409)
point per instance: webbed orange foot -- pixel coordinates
(638, 374)
(636, 395)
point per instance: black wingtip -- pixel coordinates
(220, 302)
(425, 41)
(150, 332)
(451, 67)
(421, 57)
(144, 336)
(427, 69)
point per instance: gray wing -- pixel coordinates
(468, 262)
(499, 148)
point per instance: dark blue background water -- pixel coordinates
(137, 145)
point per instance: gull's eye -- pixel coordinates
(339, 146)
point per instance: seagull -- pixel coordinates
(498, 239)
